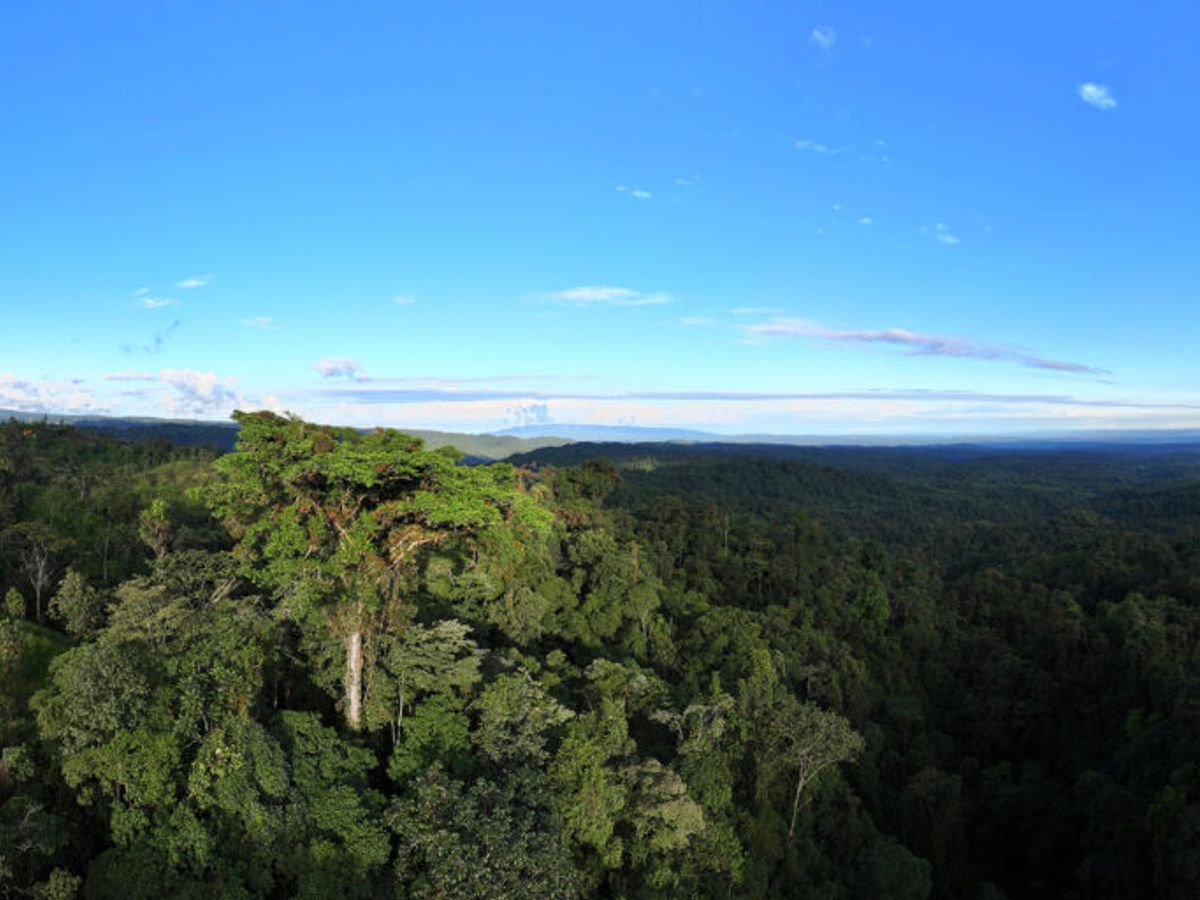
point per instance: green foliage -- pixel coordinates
(516, 720)
(888, 870)
(437, 731)
(592, 792)
(29, 837)
(663, 817)
(342, 843)
(693, 673)
(14, 604)
(60, 885)
(423, 660)
(77, 605)
(490, 841)
(335, 524)
(154, 527)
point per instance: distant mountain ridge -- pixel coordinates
(223, 435)
(525, 439)
(620, 434)
(635, 434)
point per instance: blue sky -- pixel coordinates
(825, 218)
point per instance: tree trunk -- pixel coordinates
(796, 806)
(353, 686)
(104, 556)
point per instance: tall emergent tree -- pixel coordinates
(334, 523)
(35, 545)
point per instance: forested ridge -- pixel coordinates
(340, 664)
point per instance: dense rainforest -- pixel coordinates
(332, 663)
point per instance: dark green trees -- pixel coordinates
(333, 522)
(397, 675)
(77, 605)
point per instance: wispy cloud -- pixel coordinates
(404, 300)
(382, 396)
(634, 192)
(865, 220)
(156, 342)
(824, 37)
(155, 302)
(817, 147)
(919, 344)
(261, 323)
(755, 310)
(1097, 95)
(140, 292)
(949, 413)
(344, 367)
(129, 376)
(454, 402)
(188, 284)
(605, 295)
(340, 367)
(689, 181)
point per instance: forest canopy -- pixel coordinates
(341, 663)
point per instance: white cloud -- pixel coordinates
(198, 393)
(262, 323)
(592, 295)
(941, 231)
(339, 367)
(531, 414)
(597, 294)
(816, 147)
(636, 193)
(188, 284)
(404, 300)
(47, 395)
(1097, 95)
(191, 393)
(140, 292)
(156, 302)
(824, 37)
(273, 403)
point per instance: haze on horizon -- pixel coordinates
(819, 218)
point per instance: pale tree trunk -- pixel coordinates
(803, 778)
(36, 562)
(353, 683)
(796, 806)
